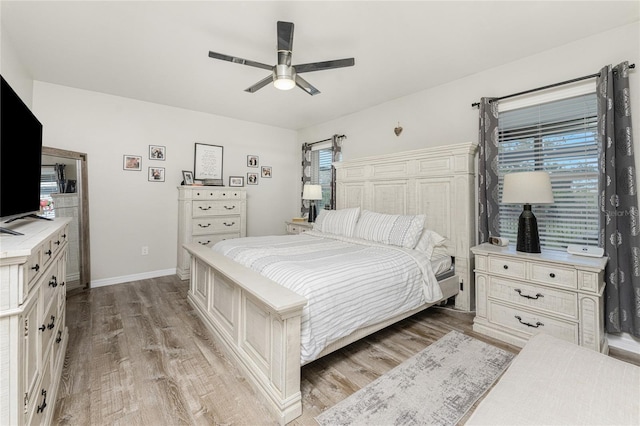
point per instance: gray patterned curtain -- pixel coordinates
(619, 218)
(488, 170)
(306, 176)
(336, 147)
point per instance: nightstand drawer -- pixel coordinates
(544, 299)
(554, 275)
(507, 267)
(529, 323)
(216, 224)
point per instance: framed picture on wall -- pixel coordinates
(266, 172)
(252, 178)
(236, 181)
(252, 161)
(132, 162)
(208, 164)
(156, 174)
(157, 152)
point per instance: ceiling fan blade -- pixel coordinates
(285, 36)
(241, 61)
(304, 85)
(259, 85)
(326, 65)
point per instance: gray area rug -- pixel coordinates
(435, 387)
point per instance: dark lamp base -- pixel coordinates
(312, 212)
(528, 239)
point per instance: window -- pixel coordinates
(321, 159)
(558, 137)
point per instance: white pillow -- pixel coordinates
(338, 222)
(394, 229)
(428, 241)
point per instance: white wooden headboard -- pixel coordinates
(438, 182)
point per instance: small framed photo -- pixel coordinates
(187, 177)
(252, 178)
(236, 181)
(157, 152)
(252, 161)
(266, 172)
(132, 162)
(156, 174)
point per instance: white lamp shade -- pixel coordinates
(312, 192)
(527, 188)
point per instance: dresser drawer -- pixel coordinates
(208, 194)
(227, 224)
(544, 299)
(210, 240)
(528, 323)
(554, 275)
(507, 266)
(216, 208)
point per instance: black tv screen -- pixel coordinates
(20, 156)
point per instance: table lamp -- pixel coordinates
(312, 193)
(527, 188)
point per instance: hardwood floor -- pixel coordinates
(138, 355)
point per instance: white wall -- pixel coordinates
(126, 210)
(443, 115)
(13, 71)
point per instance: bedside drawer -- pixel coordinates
(554, 275)
(210, 225)
(557, 302)
(215, 208)
(507, 267)
(210, 240)
(529, 323)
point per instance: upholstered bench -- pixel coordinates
(554, 382)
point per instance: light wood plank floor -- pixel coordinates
(138, 355)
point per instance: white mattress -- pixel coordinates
(349, 283)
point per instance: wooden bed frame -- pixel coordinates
(258, 321)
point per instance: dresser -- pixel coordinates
(520, 294)
(298, 227)
(33, 335)
(207, 215)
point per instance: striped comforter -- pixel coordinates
(349, 283)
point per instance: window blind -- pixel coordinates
(560, 138)
(48, 186)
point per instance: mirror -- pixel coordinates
(72, 200)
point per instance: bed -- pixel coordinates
(261, 323)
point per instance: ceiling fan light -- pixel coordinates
(284, 83)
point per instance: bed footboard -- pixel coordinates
(256, 321)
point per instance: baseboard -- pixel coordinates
(624, 341)
(135, 277)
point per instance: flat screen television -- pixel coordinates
(20, 157)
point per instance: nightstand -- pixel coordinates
(298, 227)
(520, 294)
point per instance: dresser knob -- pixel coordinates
(552, 275)
(506, 266)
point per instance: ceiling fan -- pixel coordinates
(284, 75)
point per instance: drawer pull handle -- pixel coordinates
(59, 338)
(204, 226)
(537, 324)
(57, 243)
(517, 290)
(204, 243)
(229, 224)
(64, 235)
(506, 266)
(42, 327)
(48, 253)
(229, 208)
(52, 323)
(552, 275)
(205, 209)
(54, 281)
(36, 268)
(44, 402)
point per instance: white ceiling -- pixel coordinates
(158, 51)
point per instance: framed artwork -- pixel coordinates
(252, 161)
(156, 174)
(252, 178)
(132, 162)
(208, 163)
(157, 152)
(236, 181)
(187, 177)
(266, 172)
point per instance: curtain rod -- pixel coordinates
(476, 104)
(325, 140)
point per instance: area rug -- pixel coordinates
(435, 387)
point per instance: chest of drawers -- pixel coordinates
(519, 294)
(33, 335)
(207, 215)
